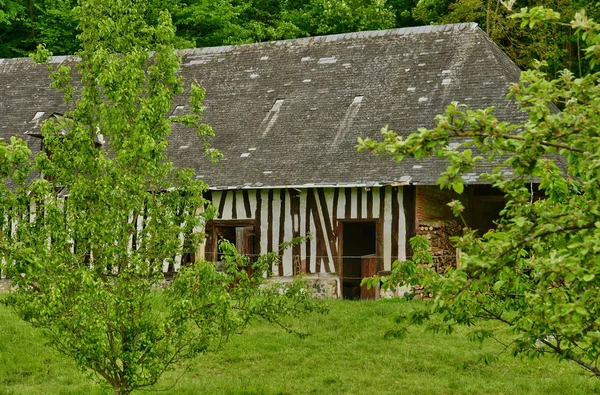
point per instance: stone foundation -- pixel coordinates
(323, 286)
(4, 285)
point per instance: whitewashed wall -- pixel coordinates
(281, 214)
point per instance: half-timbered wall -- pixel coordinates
(282, 214)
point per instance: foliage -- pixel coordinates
(538, 273)
(85, 244)
(25, 24)
(556, 44)
(201, 23)
(320, 17)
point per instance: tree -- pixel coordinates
(538, 272)
(318, 17)
(84, 243)
(556, 44)
(25, 24)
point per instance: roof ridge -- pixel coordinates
(503, 58)
(403, 31)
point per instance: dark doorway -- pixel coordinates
(359, 238)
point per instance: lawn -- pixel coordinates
(344, 353)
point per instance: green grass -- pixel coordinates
(345, 353)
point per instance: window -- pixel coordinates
(238, 232)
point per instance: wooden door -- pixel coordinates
(244, 243)
(368, 268)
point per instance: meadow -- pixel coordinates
(344, 353)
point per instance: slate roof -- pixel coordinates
(288, 113)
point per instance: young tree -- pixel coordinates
(539, 272)
(84, 243)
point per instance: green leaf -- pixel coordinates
(581, 310)
(458, 187)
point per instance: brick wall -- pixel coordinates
(432, 203)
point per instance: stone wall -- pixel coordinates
(4, 285)
(324, 286)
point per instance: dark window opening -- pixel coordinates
(240, 235)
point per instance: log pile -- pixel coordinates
(439, 233)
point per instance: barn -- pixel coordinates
(287, 116)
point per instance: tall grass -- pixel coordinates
(344, 353)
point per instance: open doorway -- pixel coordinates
(359, 238)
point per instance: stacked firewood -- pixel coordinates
(439, 233)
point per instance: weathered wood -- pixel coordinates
(401, 226)
(247, 208)
(295, 213)
(259, 225)
(233, 204)
(410, 215)
(370, 203)
(282, 214)
(359, 201)
(288, 233)
(222, 196)
(282, 225)
(305, 230)
(326, 219)
(320, 234)
(368, 268)
(395, 215)
(348, 199)
(439, 233)
(334, 215)
(387, 229)
(270, 221)
(264, 221)
(353, 203)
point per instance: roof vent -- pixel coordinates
(328, 60)
(37, 116)
(348, 120)
(177, 111)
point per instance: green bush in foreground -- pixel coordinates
(539, 272)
